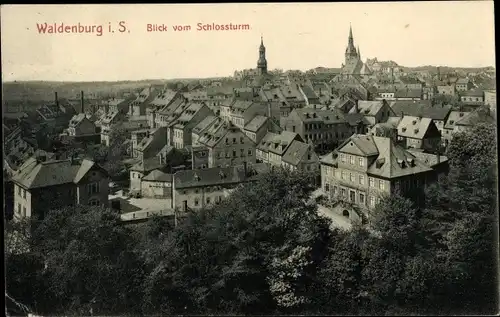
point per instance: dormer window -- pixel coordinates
(404, 129)
(461, 114)
(414, 122)
(416, 131)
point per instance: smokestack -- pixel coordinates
(245, 169)
(81, 102)
(356, 109)
(56, 100)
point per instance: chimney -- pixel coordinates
(269, 112)
(245, 170)
(81, 102)
(356, 108)
(402, 114)
(56, 100)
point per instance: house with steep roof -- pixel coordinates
(259, 126)
(322, 128)
(365, 168)
(387, 129)
(154, 141)
(438, 113)
(464, 84)
(226, 144)
(157, 184)
(196, 189)
(137, 107)
(273, 146)
(374, 111)
(80, 125)
(472, 97)
(182, 128)
(167, 115)
(300, 156)
(44, 185)
(419, 133)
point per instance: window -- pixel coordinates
(343, 175)
(352, 195)
(24, 211)
(93, 188)
(208, 200)
(361, 162)
(24, 193)
(234, 153)
(361, 198)
(19, 208)
(342, 158)
(351, 177)
(362, 179)
(249, 152)
(241, 140)
(372, 201)
(242, 152)
(196, 191)
(327, 187)
(234, 140)
(94, 202)
(343, 192)
(351, 159)
(19, 190)
(381, 184)
(196, 201)
(371, 182)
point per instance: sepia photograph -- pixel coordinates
(250, 159)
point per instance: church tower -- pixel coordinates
(350, 53)
(262, 62)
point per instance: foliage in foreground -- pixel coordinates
(266, 251)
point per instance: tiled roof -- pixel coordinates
(368, 108)
(413, 127)
(462, 81)
(327, 116)
(390, 160)
(205, 123)
(218, 176)
(33, 174)
(428, 158)
(408, 93)
(277, 143)
(188, 114)
(421, 109)
(256, 123)
(355, 119)
(295, 152)
(453, 118)
(473, 93)
(158, 176)
(359, 144)
(147, 165)
(475, 117)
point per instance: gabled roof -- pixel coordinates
(296, 152)
(408, 93)
(35, 174)
(204, 124)
(147, 165)
(421, 109)
(277, 143)
(476, 117)
(256, 123)
(158, 176)
(368, 108)
(414, 127)
(473, 93)
(359, 144)
(77, 119)
(453, 118)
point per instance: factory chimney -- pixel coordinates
(81, 102)
(56, 100)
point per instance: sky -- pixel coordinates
(296, 35)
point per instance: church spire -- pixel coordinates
(359, 53)
(350, 33)
(262, 62)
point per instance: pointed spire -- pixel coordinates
(359, 53)
(350, 31)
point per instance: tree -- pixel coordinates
(254, 253)
(90, 262)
